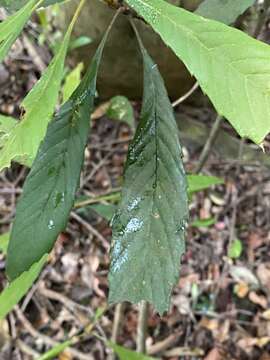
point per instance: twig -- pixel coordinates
(187, 95)
(117, 323)
(142, 326)
(27, 349)
(46, 339)
(69, 304)
(91, 229)
(164, 344)
(208, 145)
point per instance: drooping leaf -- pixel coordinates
(4, 239)
(72, 81)
(201, 182)
(13, 25)
(120, 109)
(226, 11)
(23, 142)
(232, 68)
(11, 295)
(126, 354)
(149, 226)
(50, 188)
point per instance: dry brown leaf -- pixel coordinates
(266, 314)
(249, 342)
(214, 354)
(258, 299)
(263, 273)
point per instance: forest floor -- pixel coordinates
(220, 306)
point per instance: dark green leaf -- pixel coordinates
(149, 227)
(50, 188)
(11, 295)
(126, 354)
(226, 11)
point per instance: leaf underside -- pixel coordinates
(149, 226)
(49, 190)
(225, 11)
(232, 68)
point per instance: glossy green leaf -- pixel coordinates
(126, 354)
(4, 239)
(226, 11)
(121, 109)
(50, 188)
(13, 25)
(235, 249)
(201, 182)
(232, 68)
(149, 226)
(39, 105)
(11, 295)
(72, 81)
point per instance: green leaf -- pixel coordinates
(203, 222)
(7, 123)
(13, 25)
(79, 42)
(10, 296)
(149, 226)
(120, 109)
(4, 239)
(39, 105)
(104, 210)
(201, 182)
(72, 81)
(50, 188)
(13, 5)
(56, 350)
(235, 249)
(226, 11)
(232, 68)
(126, 354)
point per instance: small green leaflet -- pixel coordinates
(126, 354)
(72, 80)
(201, 182)
(226, 11)
(149, 226)
(56, 350)
(49, 190)
(235, 249)
(13, 25)
(23, 142)
(11, 295)
(232, 68)
(4, 239)
(121, 109)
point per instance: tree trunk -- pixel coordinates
(121, 67)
